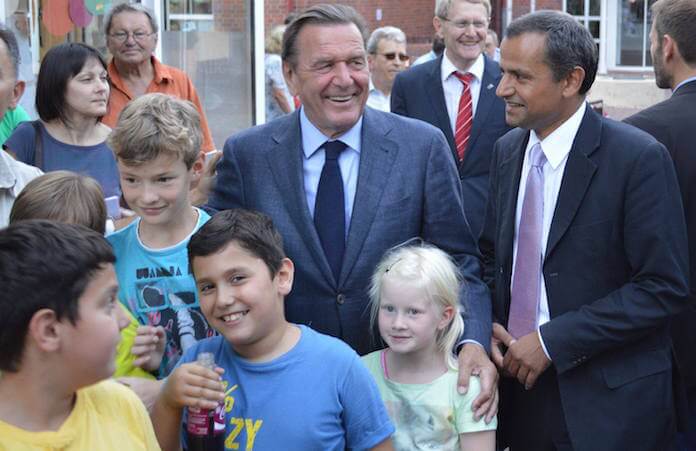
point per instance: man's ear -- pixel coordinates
(437, 25)
(669, 47)
(290, 77)
(17, 93)
(44, 330)
(370, 61)
(573, 81)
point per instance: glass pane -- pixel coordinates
(593, 26)
(190, 6)
(216, 55)
(575, 7)
(631, 33)
(594, 7)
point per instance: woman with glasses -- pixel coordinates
(131, 32)
(72, 94)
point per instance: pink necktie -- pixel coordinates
(526, 282)
(465, 115)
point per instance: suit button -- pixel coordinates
(340, 299)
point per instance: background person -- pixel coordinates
(386, 57)
(278, 98)
(131, 37)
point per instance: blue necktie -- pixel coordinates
(329, 210)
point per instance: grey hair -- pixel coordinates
(8, 37)
(388, 33)
(131, 8)
(442, 7)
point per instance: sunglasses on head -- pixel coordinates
(391, 55)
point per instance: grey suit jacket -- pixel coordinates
(407, 187)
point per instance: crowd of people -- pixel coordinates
(454, 255)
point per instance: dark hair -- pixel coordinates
(8, 37)
(321, 14)
(568, 43)
(253, 231)
(677, 18)
(60, 64)
(43, 265)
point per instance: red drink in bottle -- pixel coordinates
(205, 428)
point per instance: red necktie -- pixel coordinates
(465, 115)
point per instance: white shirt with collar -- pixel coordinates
(453, 87)
(14, 175)
(556, 148)
(378, 100)
(314, 157)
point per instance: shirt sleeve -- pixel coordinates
(365, 418)
(464, 415)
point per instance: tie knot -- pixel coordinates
(464, 78)
(333, 149)
(537, 156)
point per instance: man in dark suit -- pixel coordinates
(584, 249)
(434, 92)
(673, 123)
(344, 183)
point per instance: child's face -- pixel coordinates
(89, 346)
(239, 298)
(408, 320)
(158, 190)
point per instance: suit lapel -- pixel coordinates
(485, 102)
(377, 156)
(436, 94)
(285, 160)
(576, 178)
(509, 176)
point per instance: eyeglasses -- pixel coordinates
(466, 24)
(391, 55)
(122, 36)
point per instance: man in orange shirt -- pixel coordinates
(131, 31)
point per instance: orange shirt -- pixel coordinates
(167, 80)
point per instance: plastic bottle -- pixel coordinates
(205, 428)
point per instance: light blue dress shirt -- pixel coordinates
(688, 80)
(314, 157)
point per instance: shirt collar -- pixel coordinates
(448, 67)
(161, 72)
(557, 145)
(688, 80)
(373, 88)
(8, 179)
(313, 139)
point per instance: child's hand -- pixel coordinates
(148, 347)
(192, 385)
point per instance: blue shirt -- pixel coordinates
(317, 396)
(158, 289)
(97, 161)
(314, 157)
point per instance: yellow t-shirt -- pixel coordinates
(107, 416)
(124, 358)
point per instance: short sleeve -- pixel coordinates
(366, 421)
(464, 416)
(21, 143)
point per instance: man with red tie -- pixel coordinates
(456, 93)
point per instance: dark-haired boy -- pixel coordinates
(59, 327)
(285, 386)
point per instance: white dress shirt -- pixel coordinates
(453, 87)
(14, 175)
(556, 148)
(314, 157)
(378, 100)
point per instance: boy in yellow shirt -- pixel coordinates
(59, 327)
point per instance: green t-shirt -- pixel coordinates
(10, 121)
(427, 416)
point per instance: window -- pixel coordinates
(587, 12)
(634, 20)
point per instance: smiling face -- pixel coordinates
(534, 100)
(408, 320)
(464, 32)
(132, 51)
(330, 75)
(87, 93)
(158, 190)
(240, 297)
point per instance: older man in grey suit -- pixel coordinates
(344, 183)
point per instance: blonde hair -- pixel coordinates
(434, 271)
(62, 196)
(274, 42)
(157, 124)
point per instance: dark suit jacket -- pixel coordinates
(407, 186)
(418, 93)
(615, 270)
(673, 123)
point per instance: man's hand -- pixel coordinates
(148, 347)
(525, 359)
(146, 389)
(193, 385)
(500, 338)
(473, 361)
